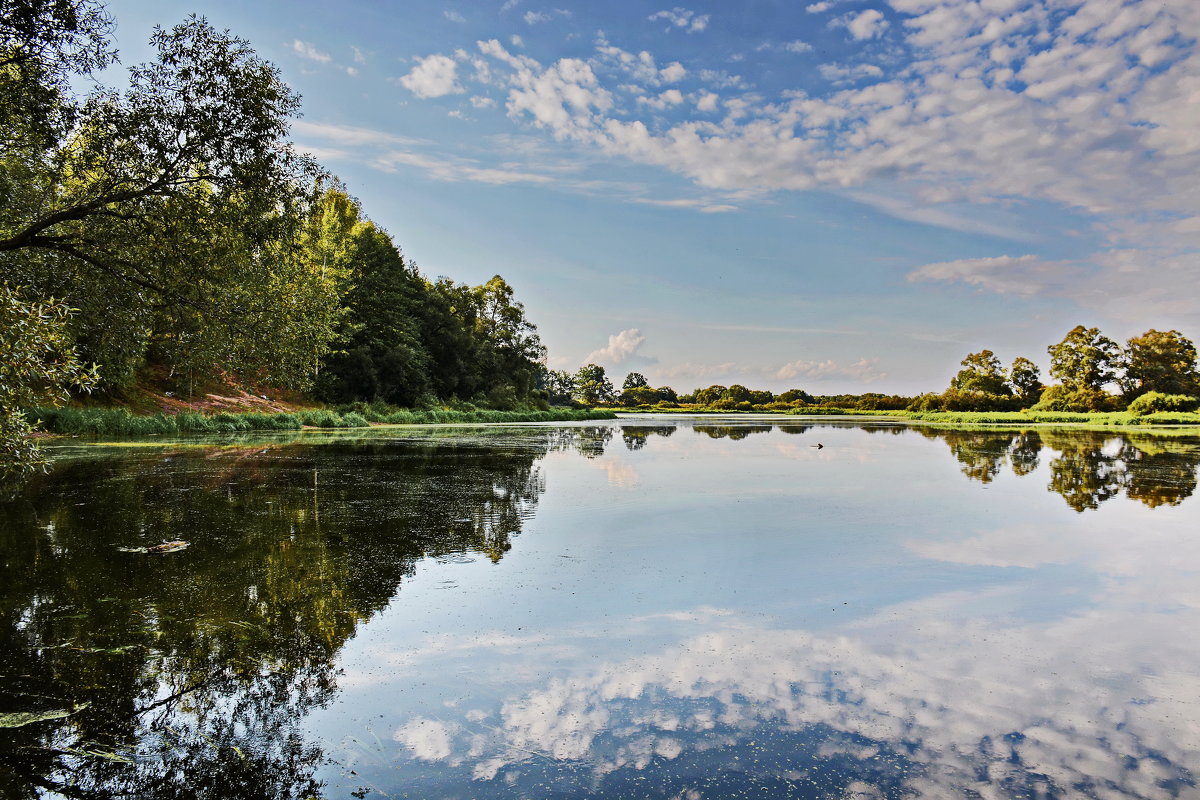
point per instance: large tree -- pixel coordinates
(981, 372)
(174, 208)
(592, 385)
(1160, 361)
(1026, 380)
(1085, 359)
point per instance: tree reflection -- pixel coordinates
(734, 432)
(636, 436)
(187, 674)
(589, 441)
(1089, 467)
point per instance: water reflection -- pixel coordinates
(186, 674)
(794, 714)
(1086, 468)
(635, 436)
(1045, 659)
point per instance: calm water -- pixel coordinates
(652, 608)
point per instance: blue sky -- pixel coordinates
(844, 195)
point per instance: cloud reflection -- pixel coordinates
(986, 693)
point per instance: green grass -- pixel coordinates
(1102, 419)
(120, 422)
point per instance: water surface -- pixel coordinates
(651, 608)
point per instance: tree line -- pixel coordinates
(1153, 372)
(170, 232)
(1156, 371)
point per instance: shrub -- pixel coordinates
(1152, 402)
(1062, 398)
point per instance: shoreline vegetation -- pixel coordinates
(954, 418)
(104, 422)
(165, 237)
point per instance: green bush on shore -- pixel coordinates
(1153, 402)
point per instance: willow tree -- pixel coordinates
(173, 195)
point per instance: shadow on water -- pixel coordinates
(186, 674)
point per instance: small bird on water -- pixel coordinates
(818, 445)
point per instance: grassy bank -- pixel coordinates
(121, 422)
(1110, 418)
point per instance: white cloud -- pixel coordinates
(869, 24)
(843, 74)
(682, 18)
(453, 170)
(537, 17)
(453, 16)
(516, 40)
(798, 46)
(707, 101)
(309, 51)
(348, 136)
(672, 73)
(865, 370)
(622, 348)
(1022, 275)
(359, 58)
(1086, 106)
(664, 100)
(434, 76)
(818, 8)
(482, 102)
(929, 213)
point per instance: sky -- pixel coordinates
(838, 196)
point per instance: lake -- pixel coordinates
(656, 607)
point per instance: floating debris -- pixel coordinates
(22, 718)
(165, 547)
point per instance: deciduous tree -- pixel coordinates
(1085, 359)
(592, 386)
(37, 367)
(1160, 361)
(1025, 380)
(981, 373)
(635, 380)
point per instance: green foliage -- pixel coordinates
(795, 395)
(592, 386)
(559, 386)
(37, 366)
(1025, 380)
(635, 380)
(1152, 402)
(647, 395)
(1163, 362)
(173, 214)
(120, 422)
(1085, 360)
(43, 43)
(1070, 397)
(981, 375)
